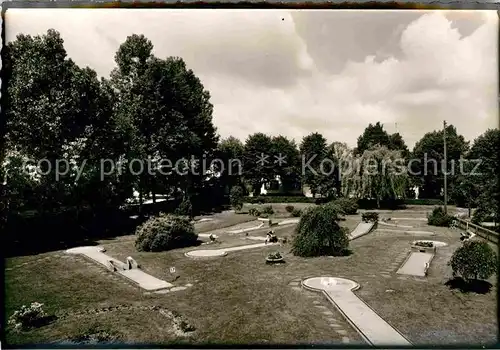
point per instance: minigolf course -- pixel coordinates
(136, 275)
(369, 325)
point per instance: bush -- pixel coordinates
(318, 233)
(254, 212)
(289, 208)
(369, 216)
(393, 204)
(296, 213)
(474, 260)
(348, 206)
(423, 201)
(165, 232)
(185, 208)
(28, 317)
(268, 209)
(236, 197)
(439, 218)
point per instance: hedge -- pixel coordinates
(363, 203)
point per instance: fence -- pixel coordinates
(480, 231)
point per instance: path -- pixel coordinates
(418, 233)
(138, 276)
(362, 229)
(371, 326)
(248, 229)
(393, 225)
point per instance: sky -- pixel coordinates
(292, 73)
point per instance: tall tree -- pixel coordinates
(230, 154)
(258, 161)
(373, 135)
(168, 114)
(427, 166)
(69, 106)
(344, 157)
(313, 151)
(482, 171)
(382, 175)
(286, 162)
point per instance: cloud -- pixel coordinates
(297, 72)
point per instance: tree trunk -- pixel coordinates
(378, 203)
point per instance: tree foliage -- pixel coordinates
(165, 232)
(318, 233)
(313, 150)
(380, 174)
(474, 260)
(257, 170)
(236, 197)
(428, 166)
(285, 149)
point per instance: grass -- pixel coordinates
(238, 299)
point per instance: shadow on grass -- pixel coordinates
(472, 286)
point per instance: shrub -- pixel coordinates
(185, 208)
(289, 208)
(439, 218)
(423, 201)
(474, 260)
(296, 213)
(278, 199)
(165, 232)
(268, 209)
(254, 212)
(424, 244)
(236, 197)
(318, 233)
(348, 206)
(28, 317)
(274, 256)
(369, 216)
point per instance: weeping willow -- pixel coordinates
(379, 173)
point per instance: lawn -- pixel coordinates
(238, 299)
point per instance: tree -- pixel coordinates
(396, 143)
(344, 156)
(482, 183)
(372, 136)
(313, 151)
(428, 160)
(380, 174)
(318, 233)
(289, 169)
(474, 260)
(230, 153)
(257, 168)
(236, 197)
(73, 113)
(167, 113)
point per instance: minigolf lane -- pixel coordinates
(369, 325)
(210, 253)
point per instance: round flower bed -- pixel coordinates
(274, 258)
